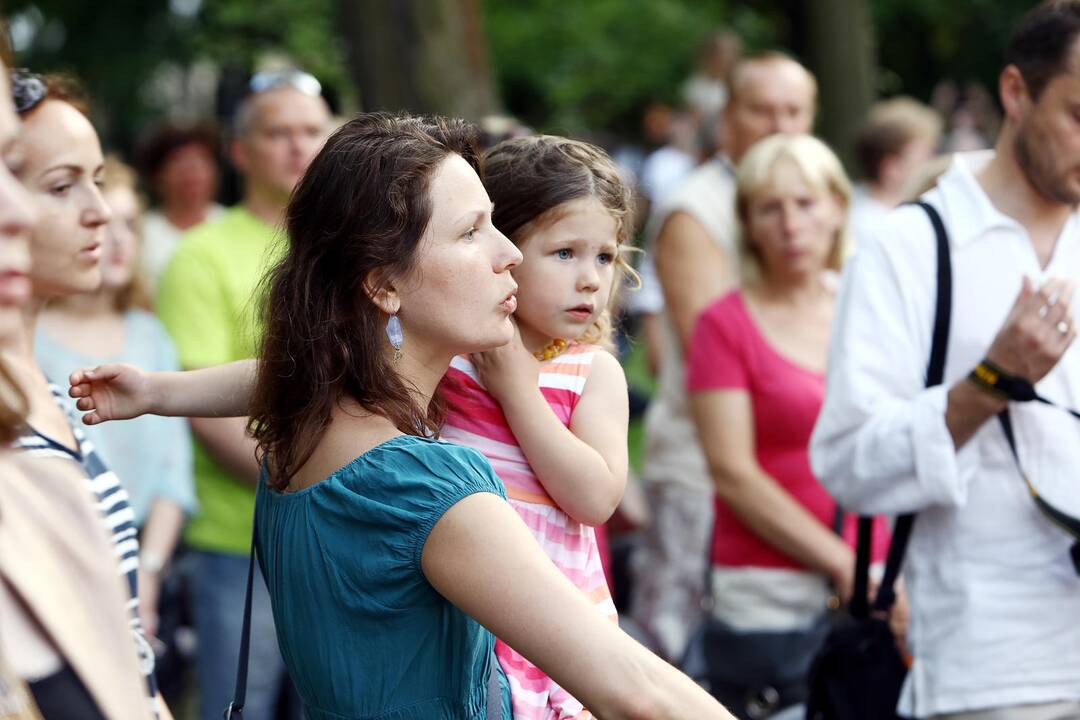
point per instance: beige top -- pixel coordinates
(672, 452)
(55, 558)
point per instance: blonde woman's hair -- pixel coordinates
(821, 170)
(119, 175)
(530, 179)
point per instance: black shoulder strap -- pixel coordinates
(935, 375)
(236, 707)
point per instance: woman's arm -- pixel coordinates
(119, 392)
(159, 537)
(482, 558)
(725, 425)
(582, 467)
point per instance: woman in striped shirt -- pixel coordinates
(62, 170)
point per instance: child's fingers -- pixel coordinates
(91, 418)
(85, 403)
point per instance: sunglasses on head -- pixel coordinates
(296, 79)
(28, 89)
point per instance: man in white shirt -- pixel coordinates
(994, 596)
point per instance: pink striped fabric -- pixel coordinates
(475, 419)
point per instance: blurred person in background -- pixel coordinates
(691, 237)
(992, 580)
(208, 301)
(756, 379)
(706, 91)
(151, 456)
(892, 150)
(62, 169)
(179, 165)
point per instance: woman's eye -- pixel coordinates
(60, 190)
(564, 254)
(470, 234)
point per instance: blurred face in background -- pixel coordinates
(188, 177)
(283, 131)
(768, 96)
(64, 170)
(121, 238)
(16, 219)
(791, 225)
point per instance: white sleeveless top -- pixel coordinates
(672, 450)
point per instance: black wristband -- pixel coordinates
(992, 378)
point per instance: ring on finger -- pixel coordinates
(1062, 327)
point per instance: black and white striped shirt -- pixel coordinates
(116, 512)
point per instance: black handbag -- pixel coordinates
(858, 673)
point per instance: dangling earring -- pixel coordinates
(395, 335)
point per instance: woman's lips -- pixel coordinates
(91, 253)
(509, 304)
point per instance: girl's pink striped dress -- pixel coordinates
(476, 420)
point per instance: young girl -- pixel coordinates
(549, 410)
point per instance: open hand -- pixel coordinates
(111, 392)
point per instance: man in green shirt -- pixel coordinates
(208, 299)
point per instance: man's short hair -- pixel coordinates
(760, 58)
(1040, 47)
(889, 127)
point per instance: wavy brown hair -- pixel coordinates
(529, 179)
(358, 214)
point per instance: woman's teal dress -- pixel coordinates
(363, 633)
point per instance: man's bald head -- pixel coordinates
(770, 93)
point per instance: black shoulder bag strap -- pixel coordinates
(235, 708)
(935, 375)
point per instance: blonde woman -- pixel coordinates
(151, 455)
(756, 378)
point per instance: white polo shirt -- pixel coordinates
(995, 599)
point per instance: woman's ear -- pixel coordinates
(381, 291)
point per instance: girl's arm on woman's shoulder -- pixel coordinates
(119, 392)
(481, 557)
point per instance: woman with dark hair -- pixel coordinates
(62, 169)
(392, 557)
(179, 164)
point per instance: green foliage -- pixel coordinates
(573, 67)
(117, 47)
(923, 41)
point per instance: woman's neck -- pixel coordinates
(86, 306)
(796, 291)
(185, 217)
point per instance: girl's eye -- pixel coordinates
(564, 254)
(605, 258)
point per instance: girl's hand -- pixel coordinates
(111, 392)
(507, 370)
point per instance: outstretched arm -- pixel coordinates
(481, 557)
(119, 392)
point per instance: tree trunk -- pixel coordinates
(422, 56)
(839, 43)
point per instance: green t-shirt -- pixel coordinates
(207, 301)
